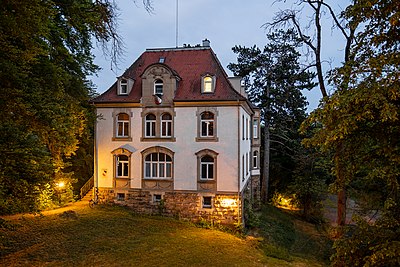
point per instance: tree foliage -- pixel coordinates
(274, 80)
(45, 56)
(361, 122)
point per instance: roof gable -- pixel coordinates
(188, 65)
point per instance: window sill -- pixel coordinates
(122, 139)
(158, 179)
(158, 139)
(207, 181)
(206, 139)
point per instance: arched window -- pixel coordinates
(208, 84)
(158, 165)
(122, 166)
(255, 159)
(207, 168)
(122, 125)
(166, 125)
(207, 124)
(150, 122)
(158, 87)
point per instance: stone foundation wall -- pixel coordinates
(225, 208)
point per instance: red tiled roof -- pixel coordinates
(190, 64)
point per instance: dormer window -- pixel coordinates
(208, 84)
(158, 87)
(124, 86)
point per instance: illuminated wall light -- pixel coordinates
(228, 202)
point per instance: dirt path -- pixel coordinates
(75, 206)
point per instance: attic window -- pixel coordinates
(158, 87)
(208, 84)
(123, 87)
(161, 60)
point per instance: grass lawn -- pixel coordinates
(114, 236)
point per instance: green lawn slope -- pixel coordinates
(114, 236)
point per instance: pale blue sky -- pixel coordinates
(225, 23)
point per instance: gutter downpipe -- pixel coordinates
(96, 172)
(240, 208)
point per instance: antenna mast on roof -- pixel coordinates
(176, 29)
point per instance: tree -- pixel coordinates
(45, 56)
(313, 42)
(274, 80)
(362, 119)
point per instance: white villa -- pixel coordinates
(176, 135)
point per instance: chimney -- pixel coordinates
(206, 43)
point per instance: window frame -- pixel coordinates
(124, 123)
(116, 123)
(158, 83)
(208, 82)
(206, 166)
(123, 87)
(157, 166)
(124, 166)
(167, 124)
(207, 184)
(255, 159)
(255, 128)
(206, 206)
(205, 122)
(150, 124)
(158, 124)
(157, 163)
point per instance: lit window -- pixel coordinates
(255, 159)
(158, 87)
(207, 84)
(158, 165)
(166, 125)
(122, 166)
(207, 168)
(207, 202)
(207, 124)
(150, 122)
(255, 128)
(122, 125)
(123, 84)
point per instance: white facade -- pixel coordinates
(178, 131)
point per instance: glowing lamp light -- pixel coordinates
(228, 202)
(60, 184)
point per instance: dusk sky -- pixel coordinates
(225, 23)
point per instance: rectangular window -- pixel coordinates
(147, 173)
(169, 170)
(255, 128)
(150, 128)
(157, 198)
(120, 196)
(122, 166)
(166, 128)
(242, 127)
(207, 202)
